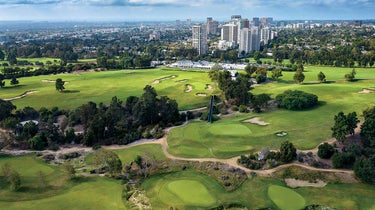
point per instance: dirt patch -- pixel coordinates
(294, 183)
(367, 91)
(188, 88)
(183, 80)
(201, 94)
(21, 96)
(208, 87)
(157, 81)
(281, 133)
(256, 120)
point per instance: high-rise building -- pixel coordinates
(200, 38)
(212, 26)
(255, 21)
(265, 35)
(250, 40)
(265, 21)
(229, 33)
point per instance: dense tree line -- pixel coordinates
(309, 46)
(360, 156)
(296, 100)
(116, 123)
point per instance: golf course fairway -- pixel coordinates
(285, 198)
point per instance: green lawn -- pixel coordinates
(102, 86)
(306, 129)
(285, 198)
(152, 151)
(87, 193)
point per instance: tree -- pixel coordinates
(276, 73)
(6, 170)
(37, 143)
(69, 170)
(6, 108)
(216, 67)
(15, 180)
(299, 77)
(368, 127)
(287, 152)
(2, 55)
(365, 169)
(344, 125)
(250, 69)
(351, 76)
(321, 77)
(296, 100)
(109, 160)
(325, 150)
(59, 84)
(2, 83)
(14, 81)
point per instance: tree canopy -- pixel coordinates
(59, 84)
(296, 100)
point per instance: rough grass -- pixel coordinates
(150, 151)
(285, 198)
(87, 193)
(102, 86)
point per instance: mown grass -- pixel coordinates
(306, 129)
(253, 193)
(128, 155)
(102, 86)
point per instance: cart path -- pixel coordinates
(231, 161)
(164, 145)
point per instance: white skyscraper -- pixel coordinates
(250, 40)
(229, 33)
(265, 35)
(200, 38)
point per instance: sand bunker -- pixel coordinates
(208, 87)
(256, 120)
(367, 90)
(183, 80)
(281, 133)
(21, 96)
(157, 81)
(53, 81)
(293, 183)
(188, 88)
(201, 94)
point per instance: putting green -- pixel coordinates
(188, 192)
(229, 130)
(286, 198)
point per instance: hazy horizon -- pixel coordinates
(196, 10)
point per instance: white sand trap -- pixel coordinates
(21, 96)
(188, 88)
(201, 94)
(281, 133)
(256, 120)
(183, 80)
(367, 90)
(208, 87)
(53, 81)
(157, 81)
(294, 183)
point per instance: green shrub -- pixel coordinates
(325, 150)
(296, 100)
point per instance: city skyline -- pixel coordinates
(197, 10)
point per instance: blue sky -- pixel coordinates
(129, 10)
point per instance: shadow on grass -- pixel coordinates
(13, 86)
(70, 91)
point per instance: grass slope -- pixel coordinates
(102, 86)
